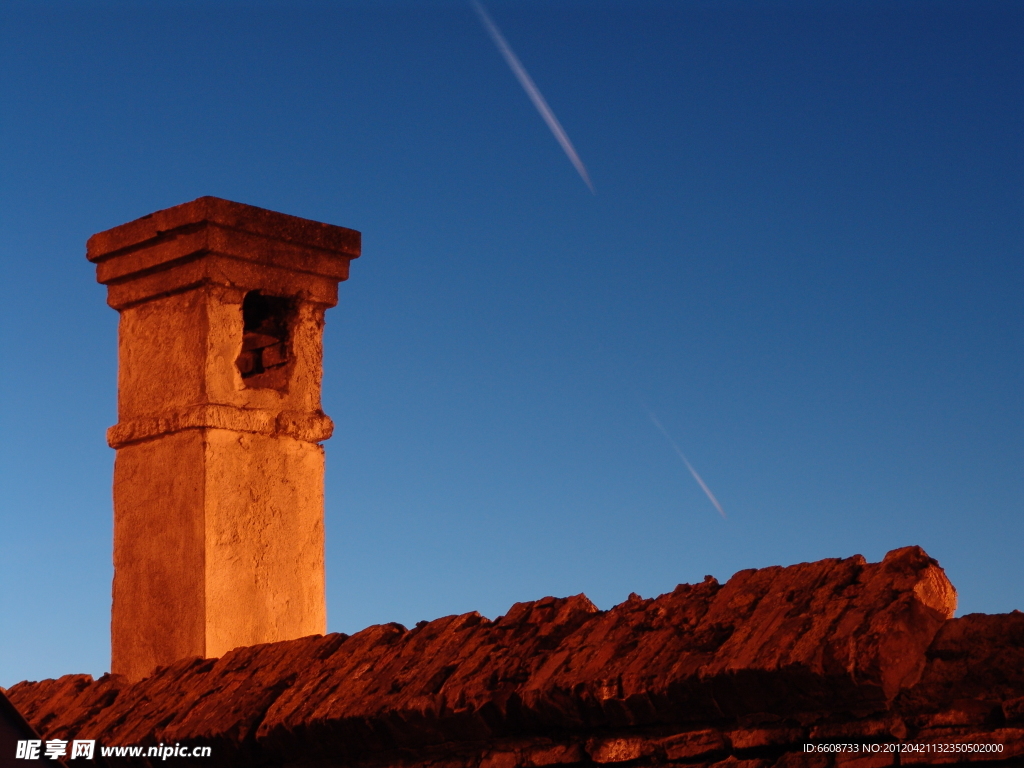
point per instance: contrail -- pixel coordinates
(689, 466)
(534, 93)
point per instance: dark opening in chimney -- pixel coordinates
(264, 359)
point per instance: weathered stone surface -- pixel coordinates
(66, 704)
(837, 636)
(541, 754)
(865, 729)
(735, 762)
(746, 739)
(620, 749)
(693, 744)
(975, 657)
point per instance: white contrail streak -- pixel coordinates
(689, 466)
(534, 93)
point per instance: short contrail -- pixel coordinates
(534, 93)
(689, 466)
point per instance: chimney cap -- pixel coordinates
(225, 213)
(215, 240)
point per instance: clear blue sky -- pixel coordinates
(804, 253)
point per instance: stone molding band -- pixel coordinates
(311, 427)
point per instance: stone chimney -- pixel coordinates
(219, 474)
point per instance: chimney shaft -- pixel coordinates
(218, 478)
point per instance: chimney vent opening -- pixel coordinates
(264, 359)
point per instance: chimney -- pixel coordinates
(219, 473)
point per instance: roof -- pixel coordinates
(796, 647)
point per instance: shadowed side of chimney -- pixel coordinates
(218, 478)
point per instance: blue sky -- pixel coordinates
(804, 254)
